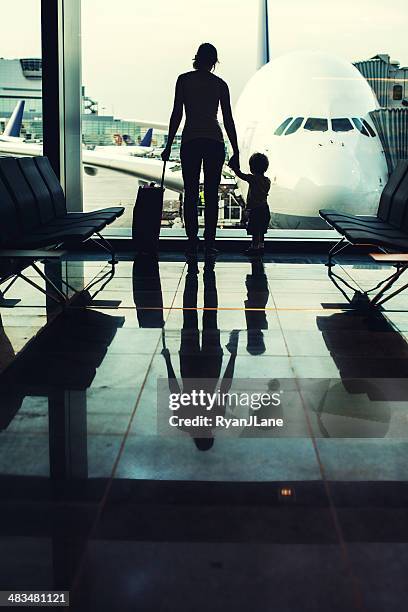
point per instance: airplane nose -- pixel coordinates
(329, 177)
(343, 180)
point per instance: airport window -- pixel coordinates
(279, 131)
(294, 126)
(359, 125)
(369, 128)
(397, 92)
(316, 124)
(20, 76)
(341, 125)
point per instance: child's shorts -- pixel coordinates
(258, 220)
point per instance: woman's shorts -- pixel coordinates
(258, 220)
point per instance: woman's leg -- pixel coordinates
(256, 240)
(214, 157)
(191, 159)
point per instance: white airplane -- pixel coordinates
(125, 145)
(145, 169)
(13, 128)
(309, 113)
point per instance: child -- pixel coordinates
(257, 207)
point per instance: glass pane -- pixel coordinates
(294, 126)
(341, 125)
(130, 82)
(21, 78)
(397, 92)
(359, 125)
(369, 128)
(314, 124)
(279, 131)
(128, 91)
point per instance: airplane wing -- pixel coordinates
(139, 167)
(20, 148)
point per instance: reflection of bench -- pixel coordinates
(64, 357)
(388, 231)
(34, 219)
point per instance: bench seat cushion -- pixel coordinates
(346, 224)
(64, 224)
(398, 240)
(332, 217)
(112, 212)
(71, 237)
(328, 213)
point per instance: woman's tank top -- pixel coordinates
(201, 91)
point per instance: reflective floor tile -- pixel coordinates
(364, 459)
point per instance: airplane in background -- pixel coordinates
(13, 128)
(309, 112)
(125, 145)
(145, 169)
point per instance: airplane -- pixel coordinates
(145, 169)
(309, 112)
(125, 145)
(13, 127)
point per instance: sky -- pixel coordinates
(133, 50)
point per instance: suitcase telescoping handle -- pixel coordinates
(162, 178)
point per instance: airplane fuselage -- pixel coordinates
(324, 156)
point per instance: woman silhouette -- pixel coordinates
(202, 142)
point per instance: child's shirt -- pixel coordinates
(259, 186)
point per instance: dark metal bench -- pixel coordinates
(388, 231)
(34, 221)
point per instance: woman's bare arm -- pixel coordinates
(229, 123)
(175, 119)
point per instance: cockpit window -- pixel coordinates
(369, 128)
(314, 124)
(279, 131)
(364, 127)
(294, 126)
(359, 125)
(341, 125)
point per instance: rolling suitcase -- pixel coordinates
(147, 216)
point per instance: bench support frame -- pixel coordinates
(362, 298)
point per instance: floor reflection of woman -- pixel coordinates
(200, 366)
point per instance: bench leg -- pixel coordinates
(335, 250)
(61, 299)
(379, 299)
(104, 279)
(360, 298)
(106, 245)
(11, 283)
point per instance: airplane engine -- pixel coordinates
(90, 170)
